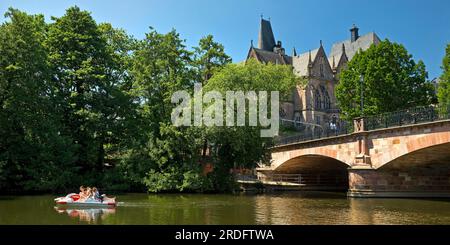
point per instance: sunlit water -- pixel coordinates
(276, 208)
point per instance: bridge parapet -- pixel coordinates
(411, 116)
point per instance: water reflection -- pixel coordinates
(268, 208)
(88, 215)
(318, 208)
(302, 208)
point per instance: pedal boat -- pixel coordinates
(72, 199)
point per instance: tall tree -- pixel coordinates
(33, 155)
(118, 108)
(392, 80)
(88, 77)
(243, 146)
(162, 152)
(444, 83)
(209, 57)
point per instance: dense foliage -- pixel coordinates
(243, 146)
(85, 103)
(444, 83)
(392, 81)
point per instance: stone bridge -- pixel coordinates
(401, 161)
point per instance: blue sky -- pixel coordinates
(423, 26)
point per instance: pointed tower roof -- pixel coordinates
(294, 52)
(266, 39)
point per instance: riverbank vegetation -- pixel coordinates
(86, 103)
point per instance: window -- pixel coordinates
(318, 120)
(326, 98)
(321, 70)
(317, 100)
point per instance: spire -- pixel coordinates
(251, 43)
(266, 39)
(310, 65)
(294, 52)
(320, 43)
(343, 51)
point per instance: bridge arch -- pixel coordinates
(311, 163)
(423, 149)
(423, 157)
(316, 172)
(283, 157)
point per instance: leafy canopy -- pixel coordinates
(392, 80)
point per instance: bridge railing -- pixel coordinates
(415, 115)
(245, 177)
(307, 179)
(340, 127)
(411, 116)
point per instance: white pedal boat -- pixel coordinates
(72, 200)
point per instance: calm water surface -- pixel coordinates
(276, 208)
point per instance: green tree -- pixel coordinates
(161, 152)
(89, 66)
(444, 83)
(209, 56)
(33, 154)
(239, 146)
(392, 80)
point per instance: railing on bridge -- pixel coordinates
(307, 179)
(245, 177)
(340, 127)
(410, 116)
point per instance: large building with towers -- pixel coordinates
(315, 102)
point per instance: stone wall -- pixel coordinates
(432, 180)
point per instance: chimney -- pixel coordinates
(354, 33)
(279, 48)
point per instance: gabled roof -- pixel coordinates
(336, 60)
(301, 62)
(268, 56)
(266, 39)
(363, 42)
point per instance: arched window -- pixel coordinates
(326, 98)
(321, 67)
(317, 100)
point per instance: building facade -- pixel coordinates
(313, 103)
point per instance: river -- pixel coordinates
(272, 208)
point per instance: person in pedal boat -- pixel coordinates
(96, 194)
(83, 194)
